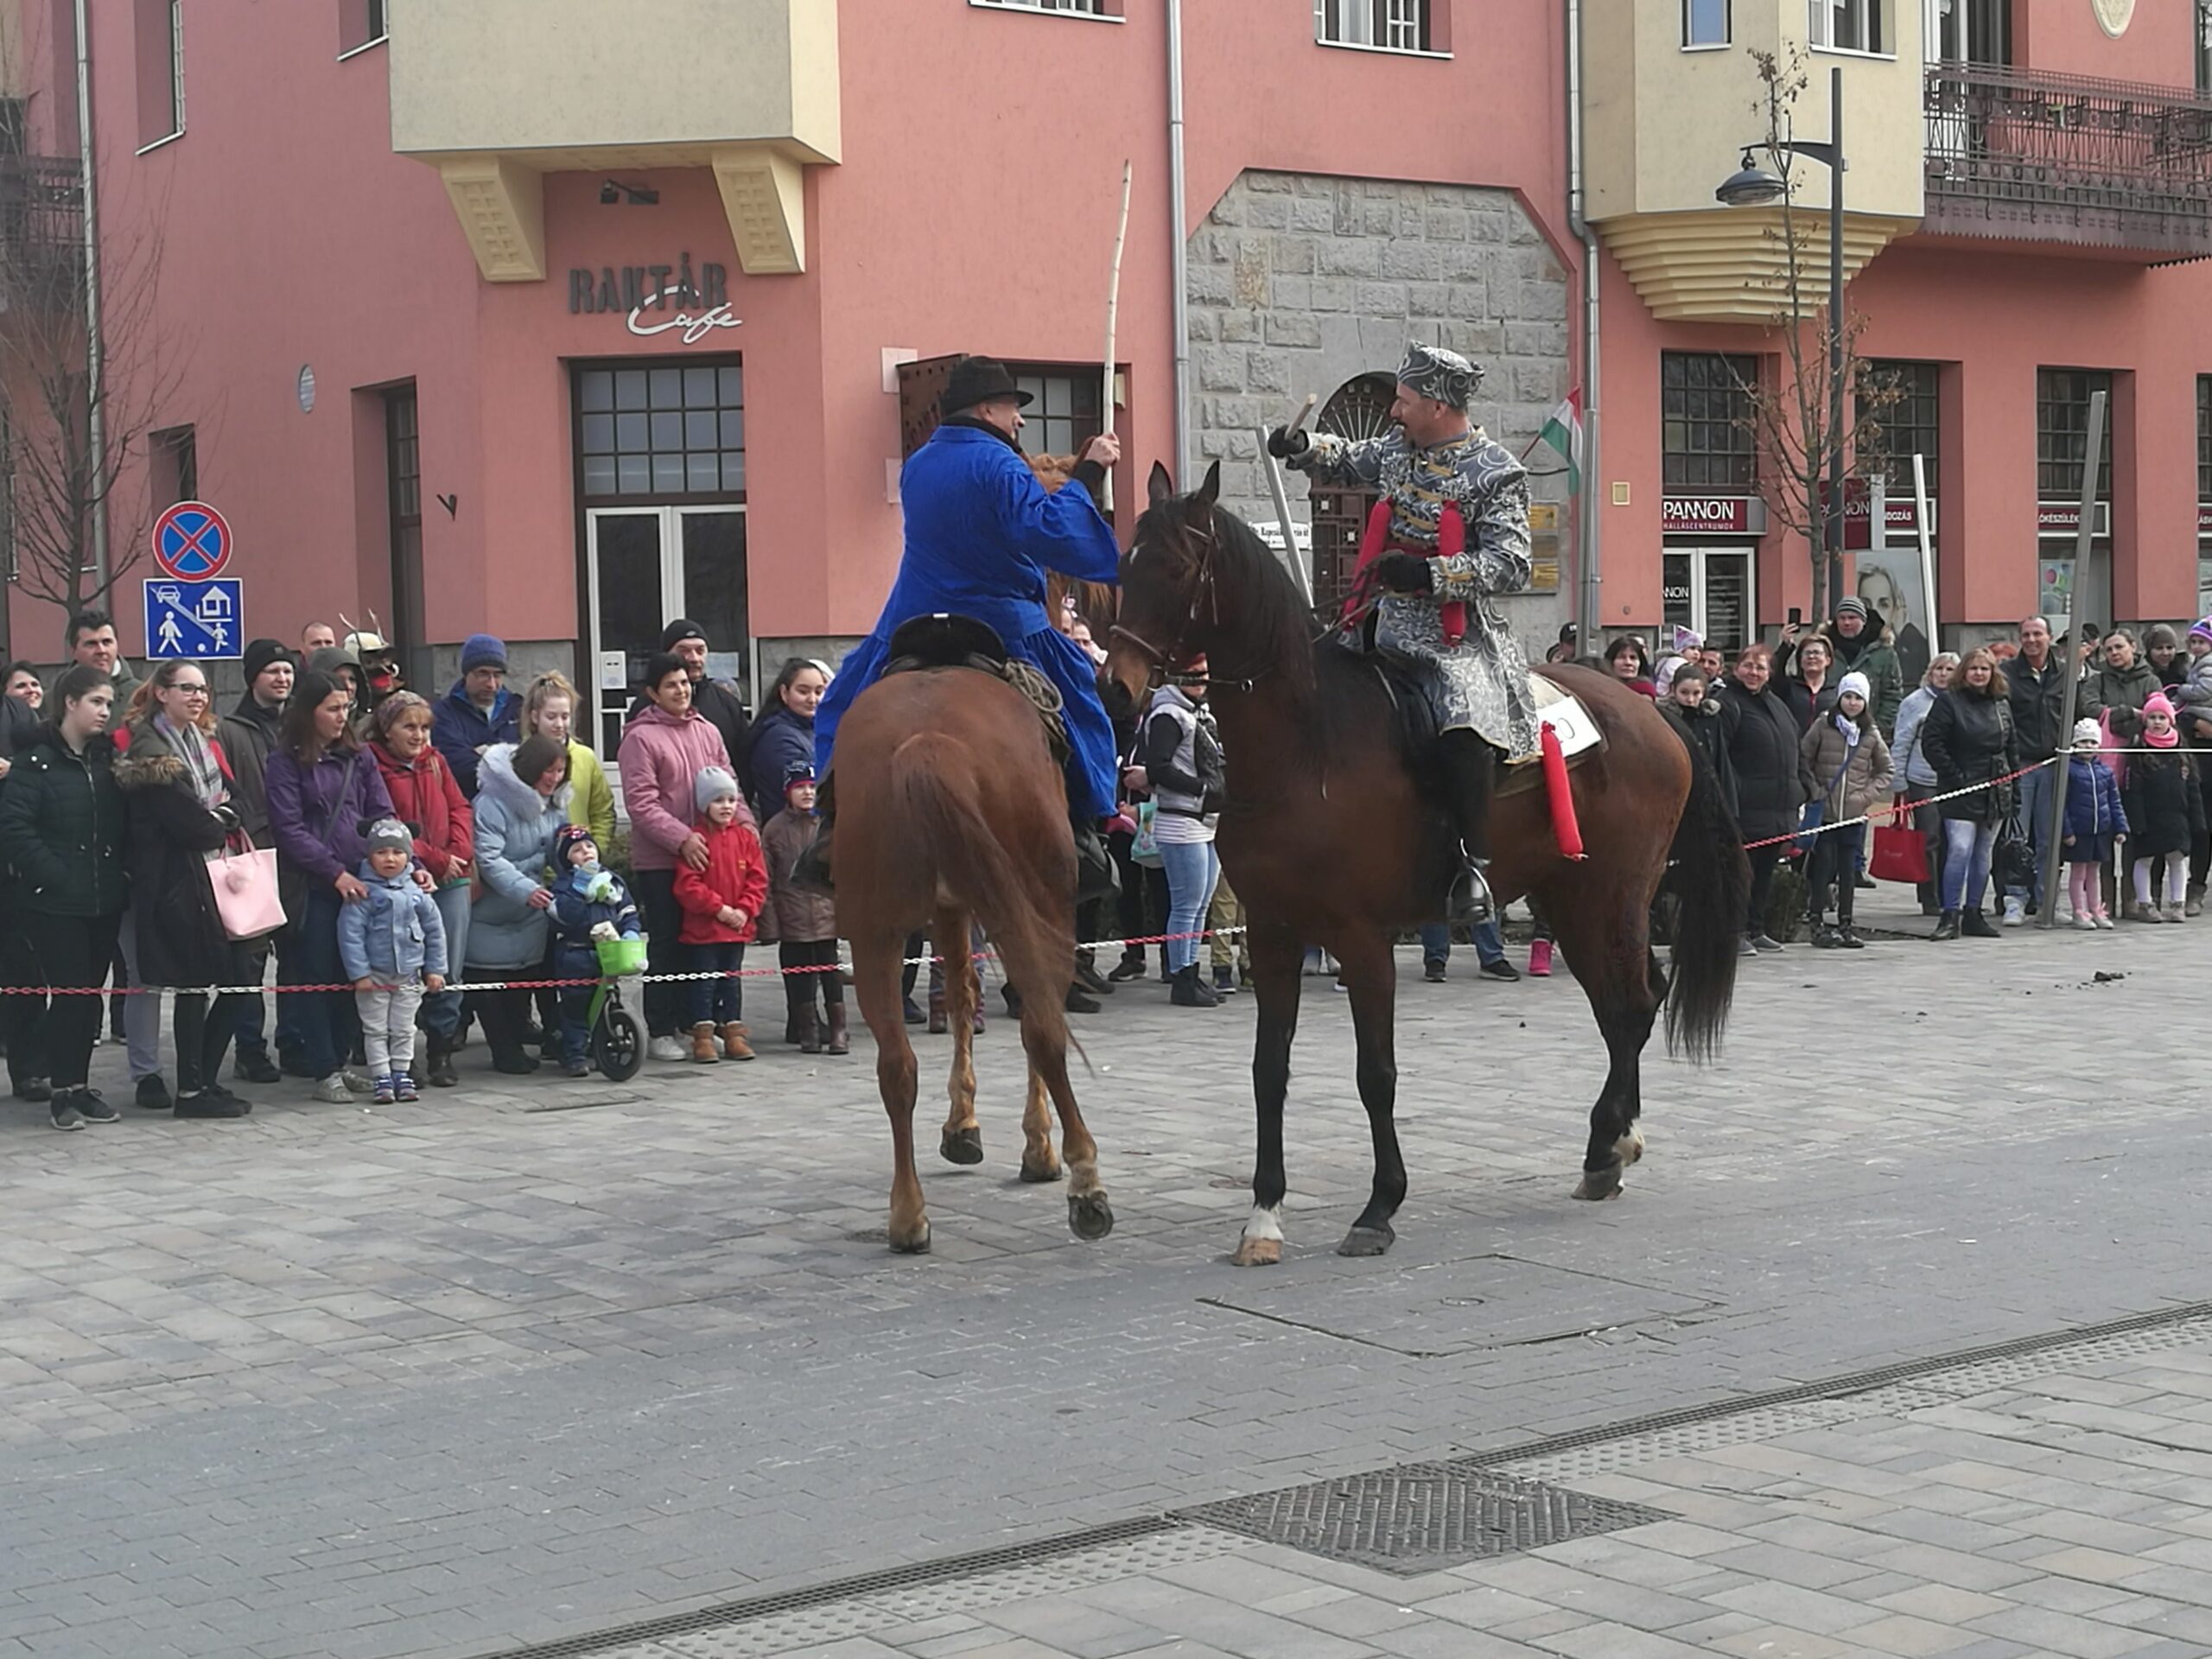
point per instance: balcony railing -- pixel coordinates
(2023, 156)
(41, 229)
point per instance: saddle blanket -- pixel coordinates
(1571, 723)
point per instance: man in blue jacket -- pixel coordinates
(981, 533)
(477, 712)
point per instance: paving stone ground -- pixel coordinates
(448, 1378)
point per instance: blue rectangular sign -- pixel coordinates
(194, 621)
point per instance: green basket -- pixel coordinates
(619, 957)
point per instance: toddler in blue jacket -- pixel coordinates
(393, 947)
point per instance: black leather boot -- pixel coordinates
(1096, 878)
(1468, 766)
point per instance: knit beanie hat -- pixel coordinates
(2087, 734)
(1855, 682)
(388, 834)
(387, 713)
(565, 839)
(683, 628)
(533, 755)
(798, 773)
(2202, 629)
(1851, 605)
(260, 653)
(483, 650)
(714, 785)
(2158, 703)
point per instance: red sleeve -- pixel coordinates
(753, 892)
(460, 817)
(695, 892)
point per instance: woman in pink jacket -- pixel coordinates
(665, 747)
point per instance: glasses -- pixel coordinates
(189, 690)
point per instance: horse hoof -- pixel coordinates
(961, 1146)
(1597, 1183)
(917, 1245)
(1089, 1216)
(1037, 1174)
(1256, 1253)
(1367, 1241)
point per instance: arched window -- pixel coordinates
(1358, 409)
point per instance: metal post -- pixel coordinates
(1834, 518)
(2066, 663)
(1178, 273)
(1590, 586)
(95, 343)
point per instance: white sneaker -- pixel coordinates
(357, 1083)
(2105, 922)
(668, 1048)
(332, 1091)
(2087, 923)
(2013, 914)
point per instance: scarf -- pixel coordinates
(190, 745)
(1849, 728)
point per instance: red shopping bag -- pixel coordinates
(1900, 852)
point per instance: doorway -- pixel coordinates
(1710, 591)
(644, 566)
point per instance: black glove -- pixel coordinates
(1285, 445)
(1404, 573)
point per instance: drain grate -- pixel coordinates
(1421, 1517)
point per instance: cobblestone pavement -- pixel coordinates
(535, 1359)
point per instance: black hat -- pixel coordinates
(260, 653)
(683, 628)
(980, 380)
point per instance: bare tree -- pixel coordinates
(1789, 420)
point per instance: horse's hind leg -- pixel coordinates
(876, 984)
(1625, 987)
(1370, 974)
(1039, 1162)
(963, 1142)
(1089, 1214)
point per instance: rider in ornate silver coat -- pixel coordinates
(1451, 530)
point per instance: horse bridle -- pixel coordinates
(1204, 593)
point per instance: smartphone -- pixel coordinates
(1796, 616)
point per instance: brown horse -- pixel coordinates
(950, 811)
(1330, 839)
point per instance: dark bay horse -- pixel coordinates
(950, 810)
(1329, 839)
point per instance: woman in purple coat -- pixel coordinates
(322, 787)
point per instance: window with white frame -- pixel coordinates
(1081, 7)
(1391, 25)
(1848, 25)
(1705, 22)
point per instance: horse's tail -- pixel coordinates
(934, 794)
(1712, 878)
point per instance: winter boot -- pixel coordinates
(734, 1047)
(1975, 925)
(1191, 992)
(702, 1043)
(1946, 926)
(810, 1031)
(1540, 959)
(2194, 904)
(441, 1074)
(840, 1041)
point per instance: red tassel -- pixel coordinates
(1566, 828)
(1451, 542)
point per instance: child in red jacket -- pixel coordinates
(719, 904)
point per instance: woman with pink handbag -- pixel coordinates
(176, 786)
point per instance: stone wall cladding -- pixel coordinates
(1302, 281)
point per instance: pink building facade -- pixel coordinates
(417, 386)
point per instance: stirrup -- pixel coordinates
(1469, 899)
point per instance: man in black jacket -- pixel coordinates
(2037, 677)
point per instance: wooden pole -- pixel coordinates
(2069, 664)
(1113, 310)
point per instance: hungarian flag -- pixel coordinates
(1563, 430)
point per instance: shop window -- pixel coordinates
(654, 431)
(1707, 436)
(174, 454)
(361, 24)
(1389, 25)
(160, 52)
(2063, 432)
(2203, 8)
(2203, 440)
(1897, 419)
(1705, 22)
(1848, 25)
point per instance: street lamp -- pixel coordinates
(1754, 186)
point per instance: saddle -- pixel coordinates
(944, 639)
(1403, 679)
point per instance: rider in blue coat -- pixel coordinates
(981, 533)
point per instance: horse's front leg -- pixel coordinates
(1277, 956)
(1370, 976)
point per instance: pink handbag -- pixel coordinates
(243, 877)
